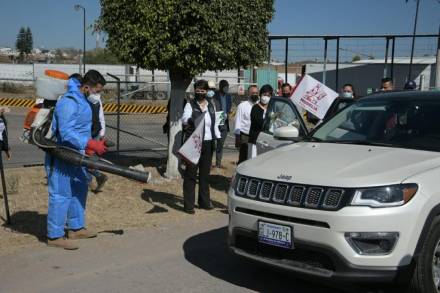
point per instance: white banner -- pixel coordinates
(313, 96)
(192, 148)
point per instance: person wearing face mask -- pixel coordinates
(211, 90)
(98, 133)
(223, 102)
(199, 110)
(286, 90)
(258, 114)
(348, 91)
(243, 122)
(98, 128)
(67, 183)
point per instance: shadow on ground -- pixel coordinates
(29, 222)
(132, 159)
(170, 200)
(219, 182)
(209, 252)
(155, 197)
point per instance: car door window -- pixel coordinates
(281, 113)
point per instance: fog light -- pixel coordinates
(372, 243)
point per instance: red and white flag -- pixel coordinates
(313, 96)
(192, 148)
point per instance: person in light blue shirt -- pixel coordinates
(223, 102)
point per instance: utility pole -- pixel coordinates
(77, 8)
(413, 41)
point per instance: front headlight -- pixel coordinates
(384, 196)
(233, 180)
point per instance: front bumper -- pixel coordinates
(313, 260)
(321, 249)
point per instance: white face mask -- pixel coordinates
(94, 98)
(264, 100)
(210, 94)
(347, 95)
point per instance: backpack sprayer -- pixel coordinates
(38, 130)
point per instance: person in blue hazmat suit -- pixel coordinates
(67, 183)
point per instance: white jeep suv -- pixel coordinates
(357, 201)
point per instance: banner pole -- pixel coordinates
(5, 193)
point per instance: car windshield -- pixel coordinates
(404, 123)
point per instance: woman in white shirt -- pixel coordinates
(199, 110)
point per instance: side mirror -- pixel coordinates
(286, 133)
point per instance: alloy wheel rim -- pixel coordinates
(436, 267)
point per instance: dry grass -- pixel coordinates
(122, 205)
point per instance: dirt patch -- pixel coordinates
(124, 204)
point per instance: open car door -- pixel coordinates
(281, 112)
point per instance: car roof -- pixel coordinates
(403, 96)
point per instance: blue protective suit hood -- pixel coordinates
(73, 85)
(72, 120)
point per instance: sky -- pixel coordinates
(55, 23)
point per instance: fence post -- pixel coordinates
(287, 60)
(268, 61)
(337, 65)
(385, 69)
(392, 58)
(413, 41)
(118, 112)
(324, 70)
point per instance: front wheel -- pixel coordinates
(426, 276)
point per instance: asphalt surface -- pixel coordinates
(191, 256)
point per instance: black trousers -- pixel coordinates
(243, 155)
(190, 179)
(219, 148)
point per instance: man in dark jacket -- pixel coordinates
(223, 103)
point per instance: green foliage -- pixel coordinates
(101, 56)
(20, 43)
(24, 42)
(187, 36)
(356, 58)
(29, 42)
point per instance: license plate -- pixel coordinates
(275, 234)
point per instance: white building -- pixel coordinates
(366, 75)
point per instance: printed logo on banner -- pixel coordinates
(192, 148)
(313, 96)
(197, 141)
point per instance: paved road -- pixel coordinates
(187, 257)
(148, 126)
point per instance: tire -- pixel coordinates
(161, 96)
(422, 280)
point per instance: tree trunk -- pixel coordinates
(179, 84)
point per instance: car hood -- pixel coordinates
(339, 165)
